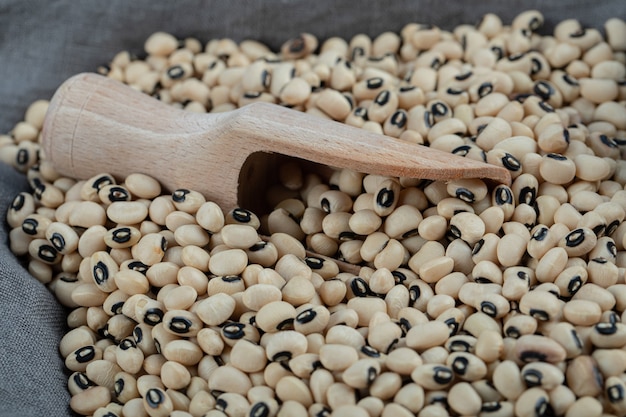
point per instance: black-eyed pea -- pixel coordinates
(215, 309)
(477, 322)
(542, 374)
(90, 400)
(608, 335)
(423, 336)
(510, 249)
(432, 376)
(534, 401)
(582, 312)
(596, 293)
(228, 262)
(602, 272)
(128, 356)
(432, 228)
(332, 292)
(90, 188)
(467, 226)
(157, 403)
(103, 269)
(532, 348)
(583, 377)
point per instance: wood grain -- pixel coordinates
(95, 124)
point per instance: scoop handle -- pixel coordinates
(96, 124)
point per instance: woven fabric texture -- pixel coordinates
(43, 43)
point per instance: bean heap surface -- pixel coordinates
(461, 298)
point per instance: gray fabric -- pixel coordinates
(44, 42)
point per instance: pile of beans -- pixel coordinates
(447, 298)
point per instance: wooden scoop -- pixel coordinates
(95, 124)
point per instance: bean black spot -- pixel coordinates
(453, 325)
(535, 23)
(399, 118)
(118, 194)
(539, 314)
(459, 346)
(22, 157)
(121, 235)
(258, 246)
(574, 284)
(556, 156)
(371, 374)
(18, 202)
(528, 195)
(259, 410)
(153, 316)
(306, 316)
(531, 356)
(543, 408)
(360, 288)
(117, 307)
(575, 238)
(180, 195)
(503, 195)
(462, 150)
(29, 226)
(465, 195)
(414, 293)
(429, 119)
(489, 308)
(154, 397)
(615, 393)
(81, 381)
(491, 407)
(536, 66)
(570, 80)
(374, 83)
(460, 365)
(439, 109)
(543, 90)
(47, 253)
(464, 76)
(382, 98)
(498, 51)
(58, 241)
(510, 162)
(370, 351)
(454, 232)
(180, 325)
(478, 246)
(608, 141)
(546, 107)
(127, 344)
(398, 276)
(234, 331)
(231, 278)
(611, 227)
(361, 112)
(85, 354)
(102, 181)
(516, 57)
(442, 375)
(286, 324)
(385, 198)
(282, 356)
(578, 34)
(175, 72)
(606, 328)
(454, 91)
(100, 273)
(242, 215)
(484, 89)
(138, 266)
(513, 332)
(532, 377)
(540, 234)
